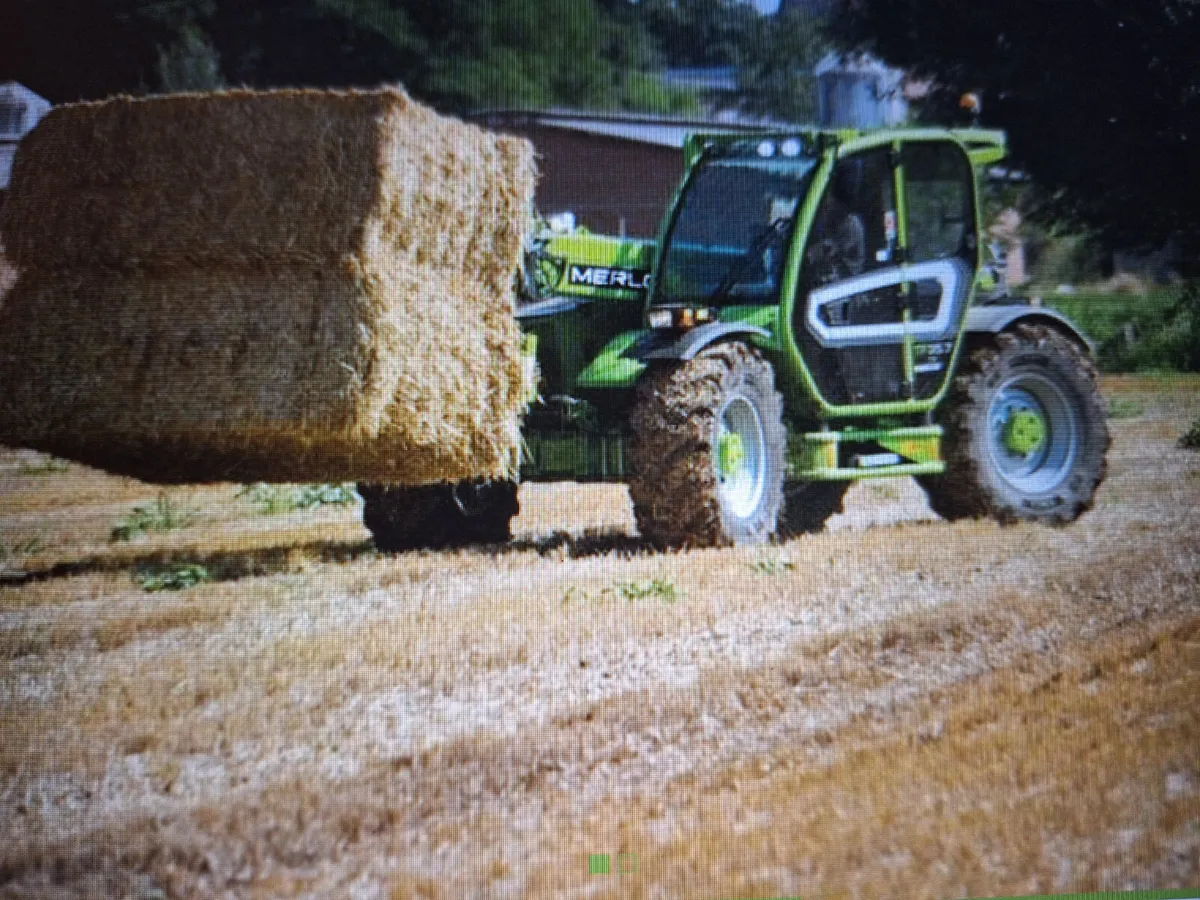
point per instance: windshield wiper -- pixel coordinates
(777, 230)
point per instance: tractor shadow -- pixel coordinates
(219, 565)
(587, 543)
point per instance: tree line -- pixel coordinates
(458, 55)
(1100, 98)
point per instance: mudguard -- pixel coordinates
(993, 319)
(628, 355)
(674, 345)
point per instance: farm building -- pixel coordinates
(615, 173)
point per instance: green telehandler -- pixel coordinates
(814, 312)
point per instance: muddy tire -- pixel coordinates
(1026, 432)
(808, 505)
(708, 452)
(439, 516)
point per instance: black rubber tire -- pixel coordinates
(674, 480)
(973, 485)
(808, 505)
(436, 516)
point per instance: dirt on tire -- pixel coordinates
(972, 487)
(674, 479)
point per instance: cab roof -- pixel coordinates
(984, 146)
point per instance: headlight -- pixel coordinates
(680, 317)
(660, 318)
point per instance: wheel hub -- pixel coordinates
(740, 457)
(1034, 433)
(731, 455)
(1024, 432)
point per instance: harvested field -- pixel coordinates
(897, 705)
(212, 283)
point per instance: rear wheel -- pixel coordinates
(708, 451)
(1026, 435)
(439, 516)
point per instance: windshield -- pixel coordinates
(730, 238)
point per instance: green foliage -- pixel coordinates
(172, 578)
(161, 515)
(651, 589)
(1191, 438)
(777, 64)
(647, 92)
(10, 552)
(190, 63)
(654, 589)
(700, 32)
(43, 465)
(1056, 259)
(271, 499)
(773, 564)
(1125, 408)
(459, 55)
(1165, 326)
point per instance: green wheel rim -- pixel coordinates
(741, 457)
(1033, 433)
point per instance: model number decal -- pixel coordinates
(604, 276)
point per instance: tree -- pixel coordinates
(700, 32)
(776, 78)
(1100, 98)
(456, 54)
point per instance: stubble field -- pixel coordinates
(896, 705)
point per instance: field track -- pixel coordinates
(897, 704)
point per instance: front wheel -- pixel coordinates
(1026, 432)
(708, 453)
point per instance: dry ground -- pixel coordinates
(898, 704)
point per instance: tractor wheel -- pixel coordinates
(439, 516)
(707, 460)
(807, 505)
(1026, 435)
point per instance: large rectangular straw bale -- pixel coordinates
(244, 178)
(289, 286)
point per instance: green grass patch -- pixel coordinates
(10, 551)
(1125, 408)
(171, 578)
(161, 515)
(773, 564)
(273, 499)
(662, 589)
(45, 465)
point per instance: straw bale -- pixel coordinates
(338, 308)
(243, 179)
(286, 376)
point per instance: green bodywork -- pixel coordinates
(596, 293)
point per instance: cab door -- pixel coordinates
(941, 249)
(883, 330)
(849, 315)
